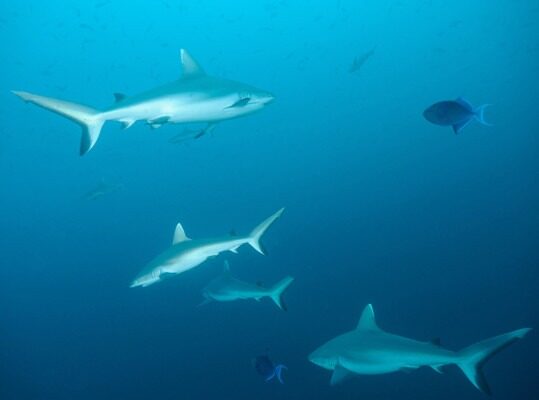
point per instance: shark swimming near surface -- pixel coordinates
(186, 253)
(195, 97)
(368, 350)
(227, 288)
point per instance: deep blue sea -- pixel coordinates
(440, 232)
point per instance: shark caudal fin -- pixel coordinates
(256, 234)
(277, 291)
(475, 356)
(86, 117)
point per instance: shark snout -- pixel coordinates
(266, 98)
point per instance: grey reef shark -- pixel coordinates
(194, 98)
(186, 253)
(227, 288)
(369, 350)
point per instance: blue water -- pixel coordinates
(439, 232)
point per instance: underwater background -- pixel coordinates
(438, 231)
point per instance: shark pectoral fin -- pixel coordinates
(340, 374)
(158, 122)
(234, 250)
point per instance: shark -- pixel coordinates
(186, 253)
(194, 98)
(368, 350)
(227, 288)
(102, 189)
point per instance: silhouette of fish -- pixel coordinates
(265, 368)
(456, 113)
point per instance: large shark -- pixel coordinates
(195, 97)
(186, 253)
(368, 350)
(227, 288)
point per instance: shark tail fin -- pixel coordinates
(473, 358)
(88, 118)
(277, 291)
(256, 234)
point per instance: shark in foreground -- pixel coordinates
(228, 288)
(195, 97)
(368, 350)
(186, 253)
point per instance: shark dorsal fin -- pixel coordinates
(190, 67)
(119, 97)
(179, 234)
(367, 321)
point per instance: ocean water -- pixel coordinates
(438, 231)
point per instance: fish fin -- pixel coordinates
(460, 126)
(479, 113)
(437, 368)
(179, 234)
(127, 123)
(473, 358)
(465, 103)
(367, 321)
(119, 97)
(277, 291)
(256, 234)
(340, 374)
(207, 300)
(207, 129)
(279, 372)
(234, 249)
(89, 119)
(270, 377)
(158, 122)
(190, 68)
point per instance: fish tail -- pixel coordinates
(479, 113)
(277, 291)
(88, 118)
(256, 234)
(472, 358)
(279, 372)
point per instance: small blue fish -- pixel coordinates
(265, 367)
(457, 113)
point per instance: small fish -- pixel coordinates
(265, 368)
(456, 113)
(360, 60)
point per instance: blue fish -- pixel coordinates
(265, 367)
(456, 113)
